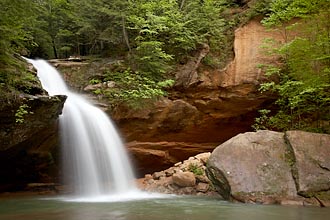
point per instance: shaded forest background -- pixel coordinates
(152, 37)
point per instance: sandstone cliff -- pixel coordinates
(207, 106)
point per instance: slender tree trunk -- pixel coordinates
(125, 34)
(78, 47)
(54, 49)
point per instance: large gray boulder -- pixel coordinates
(252, 163)
(311, 161)
(273, 167)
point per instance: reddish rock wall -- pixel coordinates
(206, 105)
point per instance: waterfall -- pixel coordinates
(95, 160)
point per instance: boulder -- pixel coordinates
(273, 167)
(202, 187)
(253, 163)
(184, 179)
(103, 85)
(311, 161)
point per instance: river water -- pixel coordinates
(163, 208)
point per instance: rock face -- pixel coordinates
(187, 75)
(273, 167)
(149, 157)
(28, 141)
(248, 55)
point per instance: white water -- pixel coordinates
(95, 162)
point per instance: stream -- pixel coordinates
(162, 208)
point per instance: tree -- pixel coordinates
(304, 79)
(101, 26)
(169, 31)
(56, 22)
(15, 16)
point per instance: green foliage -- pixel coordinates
(166, 32)
(282, 11)
(155, 35)
(56, 21)
(259, 7)
(94, 81)
(302, 83)
(132, 88)
(195, 169)
(261, 122)
(21, 112)
(15, 15)
(151, 59)
(98, 91)
(152, 35)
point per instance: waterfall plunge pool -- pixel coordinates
(154, 208)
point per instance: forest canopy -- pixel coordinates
(153, 36)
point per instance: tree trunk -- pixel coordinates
(54, 49)
(125, 34)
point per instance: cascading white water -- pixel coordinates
(95, 161)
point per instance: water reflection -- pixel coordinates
(183, 208)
